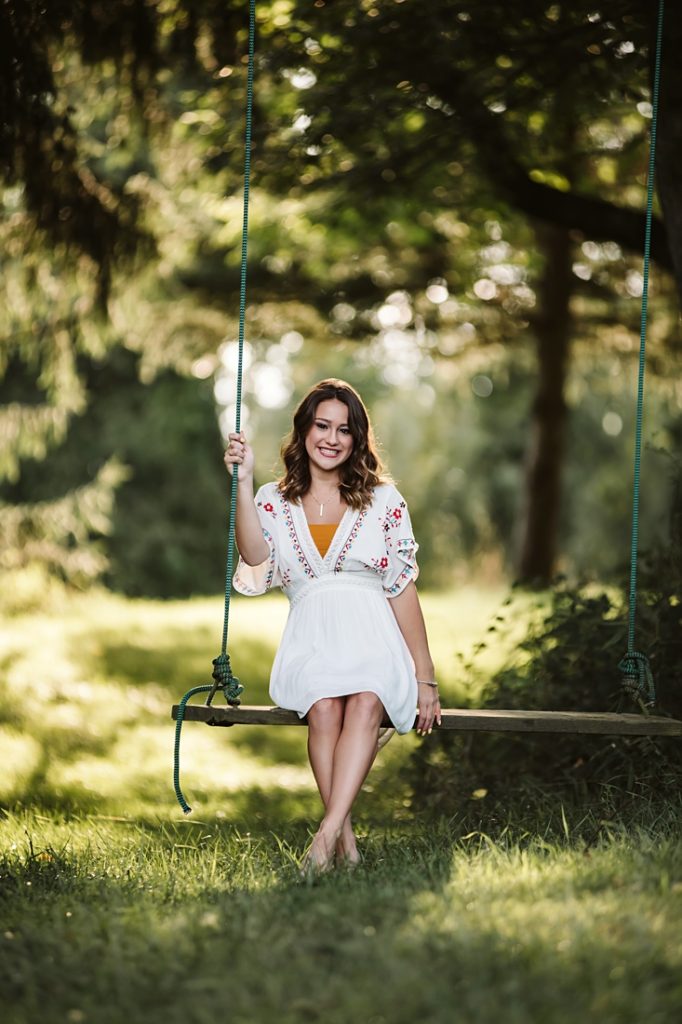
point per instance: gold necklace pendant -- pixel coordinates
(321, 503)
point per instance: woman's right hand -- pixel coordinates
(239, 453)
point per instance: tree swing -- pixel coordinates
(637, 680)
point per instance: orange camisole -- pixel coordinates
(323, 535)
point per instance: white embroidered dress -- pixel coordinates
(341, 636)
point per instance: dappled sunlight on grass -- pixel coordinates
(281, 746)
(85, 697)
(567, 919)
(97, 854)
(472, 631)
(20, 757)
(550, 929)
(137, 768)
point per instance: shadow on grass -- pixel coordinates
(168, 911)
(265, 809)
(183, 660)
(273, 746)
(185, 923)
(175, 662)
(285, 800)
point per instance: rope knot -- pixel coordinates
(225, 681)
(638, 679)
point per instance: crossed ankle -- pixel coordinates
(330, 830)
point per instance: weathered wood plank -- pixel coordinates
(466, 720)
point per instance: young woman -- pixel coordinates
(335, 535)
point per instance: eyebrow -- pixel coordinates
(323, 420)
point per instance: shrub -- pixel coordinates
(569, 661)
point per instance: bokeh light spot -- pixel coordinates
(437, 292)
(485, 289)
(612, 424)
(482, 386)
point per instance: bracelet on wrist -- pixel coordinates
(428, 682)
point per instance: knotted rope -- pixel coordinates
(638, 679)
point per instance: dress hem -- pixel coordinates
(308, 703)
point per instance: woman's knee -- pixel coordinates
(326, 713)
(365, 705)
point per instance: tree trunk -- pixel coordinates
(545, 458)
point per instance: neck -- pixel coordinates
(323, 490)
(326, 482)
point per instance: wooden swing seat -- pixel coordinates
(465, 720)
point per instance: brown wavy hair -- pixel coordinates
(359, 474)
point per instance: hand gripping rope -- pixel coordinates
(224, 680)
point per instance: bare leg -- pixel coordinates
(325, 721)
(354, 753)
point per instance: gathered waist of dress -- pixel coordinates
(338, 581)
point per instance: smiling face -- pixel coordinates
(329, 441)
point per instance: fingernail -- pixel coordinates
(430, 731)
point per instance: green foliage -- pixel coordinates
(61, 534)
(164, 528)
(568, 661)
(384, 139)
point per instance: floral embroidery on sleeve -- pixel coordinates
(248, 580)
(253, 580)
(401, 549)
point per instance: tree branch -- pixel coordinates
(596, 218)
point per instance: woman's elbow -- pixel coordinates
(255, 557)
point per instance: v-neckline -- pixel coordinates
(319, 563)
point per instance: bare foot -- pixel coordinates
(347, 850)
(320, 855)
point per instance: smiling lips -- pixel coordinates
(329, 453)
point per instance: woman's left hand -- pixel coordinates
(429, 709)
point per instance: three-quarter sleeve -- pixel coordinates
(252, 580)
(401, 547)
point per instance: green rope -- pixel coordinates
(242, 318)
(223, 678)
(638, 679)
(186, 809)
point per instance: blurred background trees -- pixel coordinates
(447, 211)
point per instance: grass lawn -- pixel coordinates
(113, 907)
